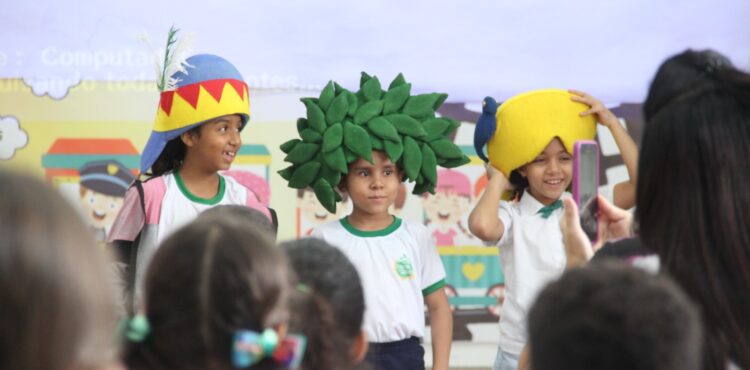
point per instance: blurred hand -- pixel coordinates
(612, 223)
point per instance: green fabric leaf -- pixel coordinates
(350, 155)
(446, 149)
(412, 158)
(333, 176)
(393, 150)
(422, 105)
(377, 143)
(435, 128)
(358, 141)
(452, 126)
(326, 96)
(309, 99)
(325, 194)
(371, 90)
(336, 160)
(363, 78)
(429, 164)
(302, 152)
(333, 137)
(310, 136)
(315, 117)
(383, 129)
(368, 111)
(395, 98)
(425, 187)
(337, 110)
(289, 145)
(304, 175)
(398, 81)
(338, 89)
(286, 173)
(302, 124)
(406, 125)
(352, 102)
(456, 162)
(439, 101)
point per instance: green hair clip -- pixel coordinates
(342, 127)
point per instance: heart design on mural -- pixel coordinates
(473, 271)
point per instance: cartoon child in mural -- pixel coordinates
(102, 189)
(445, 210)
(310, 213)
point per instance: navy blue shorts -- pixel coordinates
(405, 354)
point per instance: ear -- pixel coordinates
(522, 171)
(359, 347)
(188, 138)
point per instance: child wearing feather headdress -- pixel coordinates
(530, 140)
(366, 144)
(204, 106)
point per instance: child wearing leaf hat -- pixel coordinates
(365, 144)
(530, 140)
(204, 106)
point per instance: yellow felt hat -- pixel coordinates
(526, 123)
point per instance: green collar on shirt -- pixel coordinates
(210, 201)
(546, 211)
(369, 234)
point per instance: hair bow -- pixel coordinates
(250, 347)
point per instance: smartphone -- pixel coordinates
(586, 184)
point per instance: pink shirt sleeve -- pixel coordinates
(130, 219)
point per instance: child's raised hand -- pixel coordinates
(494, 174)
(603, 115)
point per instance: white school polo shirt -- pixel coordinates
(398, 266)
(532, 254)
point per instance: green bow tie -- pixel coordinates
(546, 211)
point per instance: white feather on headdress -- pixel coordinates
(174, 60)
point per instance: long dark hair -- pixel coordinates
(172, 156)
(335, 299)
(209, 279)
(693, 193)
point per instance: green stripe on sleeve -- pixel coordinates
(432, 288)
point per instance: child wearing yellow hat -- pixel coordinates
(530, 138)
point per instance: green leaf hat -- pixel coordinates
(342, 126)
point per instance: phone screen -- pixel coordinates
(588, 188)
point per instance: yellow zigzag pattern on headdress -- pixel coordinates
(183, 114)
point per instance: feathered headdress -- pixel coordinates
(193, 90)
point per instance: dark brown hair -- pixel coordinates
(209, 279)
(334, 299)
(56, 309)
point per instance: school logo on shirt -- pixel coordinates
(404, 268)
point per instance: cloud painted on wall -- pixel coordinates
(12, 137)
